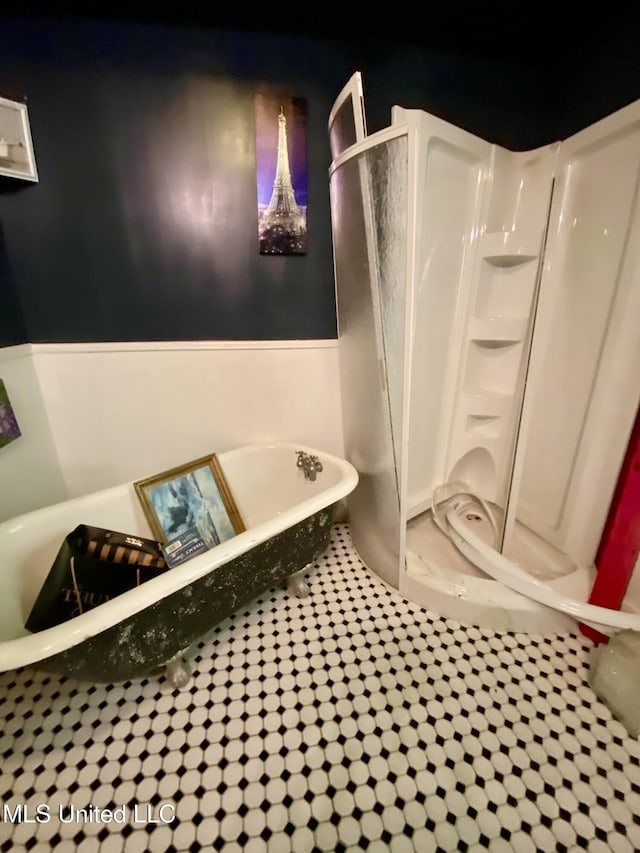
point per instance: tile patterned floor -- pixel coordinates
(350, 720)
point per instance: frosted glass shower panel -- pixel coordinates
(386, 166)
(363, 190)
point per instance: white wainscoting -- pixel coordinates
(123, 411)
(30, 475)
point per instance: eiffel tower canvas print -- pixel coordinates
(282, 176)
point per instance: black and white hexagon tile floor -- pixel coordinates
(349, 720)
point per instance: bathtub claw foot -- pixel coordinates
(298, 585)
(177, 672)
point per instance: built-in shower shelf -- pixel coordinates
(483, 426)
(485, 450)
(497, 330)
(508, 248)
(485, 402)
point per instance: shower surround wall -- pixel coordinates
(510, 360)
(481, 218)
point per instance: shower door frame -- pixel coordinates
(399, 440)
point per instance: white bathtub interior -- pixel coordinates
(271, 494)
(511, 360)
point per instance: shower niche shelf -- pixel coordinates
(492, 366)
(508, 248)
(493, 350)
(482, 403)
(493, 345)
(483, 426)
(483, 415)
(505, 290)
(504, 330)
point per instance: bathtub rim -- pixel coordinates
(31, 648)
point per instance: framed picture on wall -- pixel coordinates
(16, 148)
(192, 496)
(282, 173)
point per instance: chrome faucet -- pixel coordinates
(310, 465)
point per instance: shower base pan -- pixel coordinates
(441, 579)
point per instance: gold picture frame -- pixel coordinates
(193, 495)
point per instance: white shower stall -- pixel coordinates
(489, 337)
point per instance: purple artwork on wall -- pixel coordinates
(9, 429)
(281, 162)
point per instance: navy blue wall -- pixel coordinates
(12, 328)
(607, 80)
(144, 226)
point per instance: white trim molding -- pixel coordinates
(179, 346)
(15, 351)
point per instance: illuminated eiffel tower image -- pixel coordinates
(283, 225)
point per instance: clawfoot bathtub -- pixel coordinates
(288, 516)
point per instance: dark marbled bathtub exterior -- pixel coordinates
(144, 642)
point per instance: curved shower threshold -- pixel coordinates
(439, 577)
